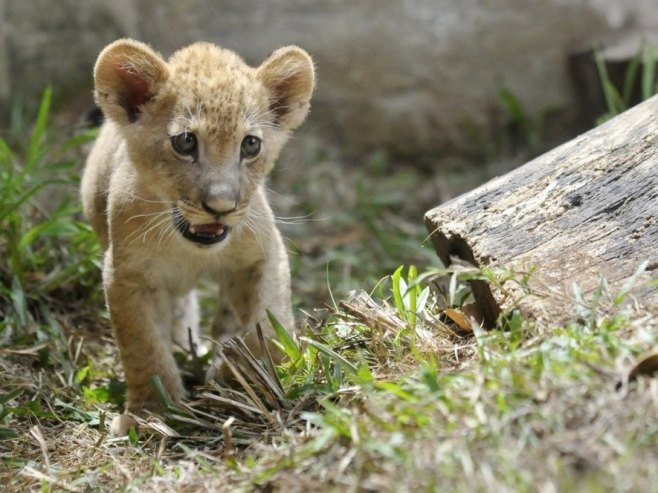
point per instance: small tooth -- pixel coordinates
(192, 230)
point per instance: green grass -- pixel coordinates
(49, 253)
(49, 272)
(499, 410)
(381, 390)
(641, 73)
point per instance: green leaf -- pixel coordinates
(133, 436)
(7, 433)
(429, 378)
(332, 354)
(18, 300)
(11, 395)
(397, 282)
(60, 228)
(423, 297)
(81, 139)
(82, 374)
(161, 391)
(35, 150)
(612, 98)
(629, 80)
(6, 153)
(649, 73)
(514, 108)
(289, 345)
(395, 389)
(96, 395)
(20, 201)
(629, 283)
(412, 293)
(75, 413)
(364, 374)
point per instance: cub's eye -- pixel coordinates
(250, 147)
(185, 143)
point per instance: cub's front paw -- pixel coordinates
(151, 392)
(121, 425)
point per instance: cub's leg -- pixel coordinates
(141, 318)
(245, 295)
(185, 323)
(268, 289)
(225, 326)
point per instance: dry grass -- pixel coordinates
(64, 443)
(383, 391)
(439, 410)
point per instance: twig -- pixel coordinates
(35, 431)
(254, 398)
(229, 455)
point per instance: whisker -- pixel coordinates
(291, 220)
(157, 226)
(252, 220)
(141, 199)
(152, 224)
(247, 224)
(146, 215)
(138, 231)
(296, 220)
(167, 234)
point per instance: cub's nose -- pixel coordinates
(219, 207)
(220, 199)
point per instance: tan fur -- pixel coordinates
(134, 180)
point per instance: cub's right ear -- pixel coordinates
(128, 74)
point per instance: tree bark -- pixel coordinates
(585, 211)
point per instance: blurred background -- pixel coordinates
(417, 100)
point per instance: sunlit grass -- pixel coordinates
(390, 385)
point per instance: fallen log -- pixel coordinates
(585, 211)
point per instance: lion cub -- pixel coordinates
(174, 189)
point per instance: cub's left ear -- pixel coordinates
(128, 75)
(289, 76)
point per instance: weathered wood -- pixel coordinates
(586, 209)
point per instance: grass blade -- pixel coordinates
(20, 201)
(629, 283)
(35, 148)
(7, 434)
(6, 153)
(18, 301)
(290, 347)
(629, 80)
(11, 395)
(81, 139)
(648, 73)
(612, 97)
(412, 293)
(327, 351)
(163, 395)
(397, 292)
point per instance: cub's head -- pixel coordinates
(202, 129)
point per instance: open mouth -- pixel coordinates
(204, 234)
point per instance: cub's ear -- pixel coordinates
(289, 76)
(128, 74)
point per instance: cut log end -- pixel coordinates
(455, 246)
(584, 214)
